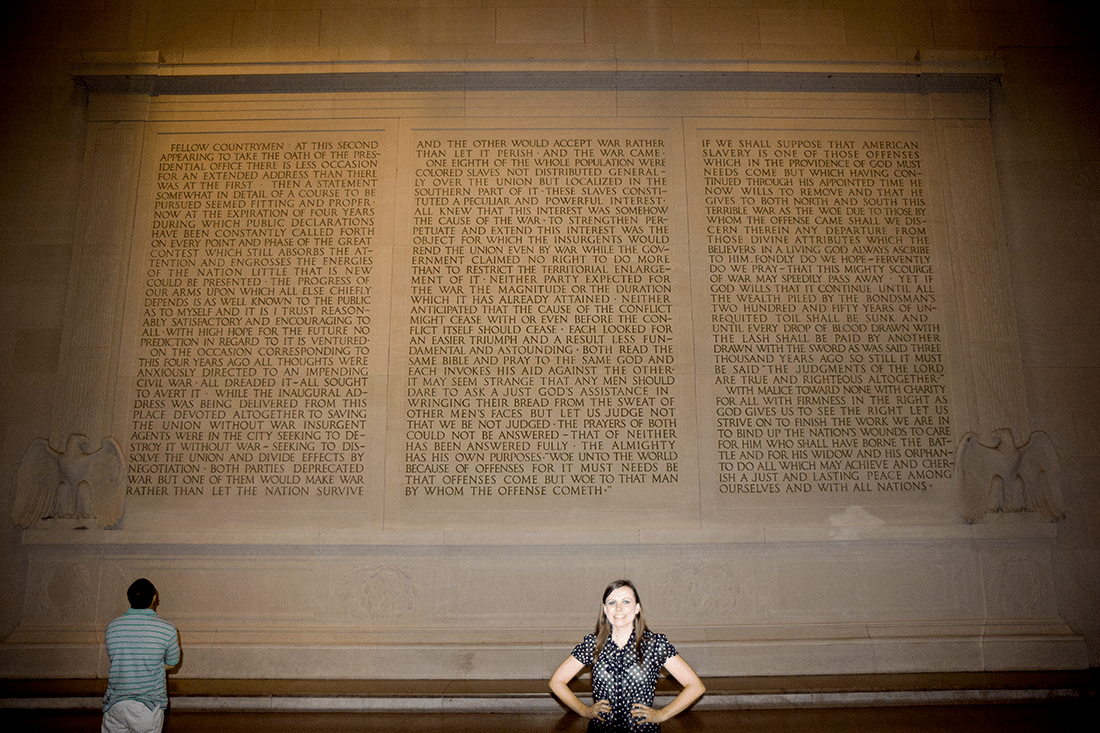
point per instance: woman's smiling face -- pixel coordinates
(620, 607)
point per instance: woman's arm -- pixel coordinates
(559, 684)
(693, 690)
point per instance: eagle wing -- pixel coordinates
(1041, 472)
(36, 483)
(973, 477)
(106, 481)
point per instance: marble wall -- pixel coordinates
(409, 365)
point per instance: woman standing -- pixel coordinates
(625, 658)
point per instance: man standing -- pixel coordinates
(141, 645)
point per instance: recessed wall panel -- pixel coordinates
(541, 358)
(256, 335)
(442, 370)
(821, 312)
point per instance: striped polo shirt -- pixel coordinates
(140, 644)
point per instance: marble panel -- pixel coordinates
(227, 207)
(200, 28)
(524, 54)
(447, 25)
(298, 612)
(403, 378)
(352, 27)
(904, 27)
(265, 28)
(802, 27)
(540, 25)
(707, 268)
(693, 25)
(956, 27)
(651, 25)
(548, 399)
(543, 104)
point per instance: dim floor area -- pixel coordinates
(973, 702)
(1003, 718)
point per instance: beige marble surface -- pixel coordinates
(305, 584)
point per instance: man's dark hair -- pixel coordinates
(141, 593)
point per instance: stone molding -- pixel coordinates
(149, 74)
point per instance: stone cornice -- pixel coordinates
(147, 74)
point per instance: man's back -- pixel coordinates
(140, 644)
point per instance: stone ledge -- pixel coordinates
(474, 81)
(149, 73)
(1023, 528)
(460, 696)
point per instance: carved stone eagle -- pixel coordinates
(75, 484)
(1005, 477)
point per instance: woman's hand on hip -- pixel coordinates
(597, 709)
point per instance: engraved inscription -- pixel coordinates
(256, 321)
(541, 356)
(825, 323)
(559, 330)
